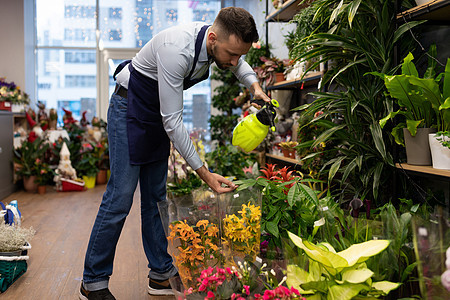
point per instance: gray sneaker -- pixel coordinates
(159, 287)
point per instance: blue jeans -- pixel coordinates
(116, 205)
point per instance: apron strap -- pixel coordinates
(198, 47)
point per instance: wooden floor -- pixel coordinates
(63, 223)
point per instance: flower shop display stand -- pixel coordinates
(436, 175)
(209, 230)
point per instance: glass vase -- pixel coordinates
(241, 226)
(192, 226)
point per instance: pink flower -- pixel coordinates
(247, 289)
(295, 291)
(445, 279)
(202, 287)
(233, 296)
(229, 271)
(210, 295)
(256, 45)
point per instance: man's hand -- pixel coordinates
(258, 94)
(215, 181)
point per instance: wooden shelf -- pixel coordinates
(287, 11)
(424, 169)
(282, 158)
(434, 10)
(310, 79)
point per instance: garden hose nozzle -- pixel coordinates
(252, 130)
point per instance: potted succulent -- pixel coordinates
(412, 95)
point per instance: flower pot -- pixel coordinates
(284, 98)
(17, 108)
(279, 76)
(101, 177)
(5, 105)
(29, 184)
(439, 153)
(418, 147)
(288, 153)
(41, 189)
(89, 181)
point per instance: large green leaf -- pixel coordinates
(430, 90)
(272, 228)
(405, 28)
(295, 276)
(408, 67)
(385, 286)
(328, 259)
(358, 253)
(345, 291)
(356, 275)
(446, 87)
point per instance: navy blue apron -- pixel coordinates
(147, 139)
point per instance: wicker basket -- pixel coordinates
(11, 268)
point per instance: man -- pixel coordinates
(144, 116)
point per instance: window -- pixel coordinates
(115, 13)
(67, 45)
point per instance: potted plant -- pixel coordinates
(288, 148)
(101, 151)
(11, 95)
(14, 241)
(44, 175)
(412, 96)
(87, 165)
(271, 70)
(26, 162)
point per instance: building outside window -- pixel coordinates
(68, 47)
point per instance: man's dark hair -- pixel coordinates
(237, 21)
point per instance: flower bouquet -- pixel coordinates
(10, 93)
(241, 226)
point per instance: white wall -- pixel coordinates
(12, 58)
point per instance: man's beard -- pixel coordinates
(218, 63)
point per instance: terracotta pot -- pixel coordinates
(101, 177)
(41, 189)
(29, 184)
(279, 77)
(288, 153)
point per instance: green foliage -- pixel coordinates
(184, 186)
(228, 160)
(338, 275)
(306, 25)
(28, 157)
(360, 39)
(222, 125)
(87, 165)
(254, 54)
(422, 101)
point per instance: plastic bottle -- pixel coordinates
(252, 130)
